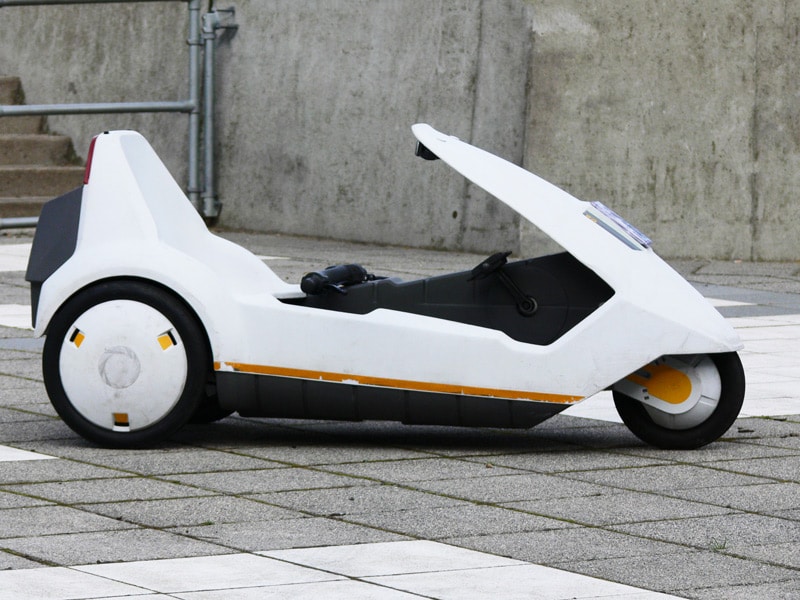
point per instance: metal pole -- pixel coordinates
(56, 2)
(18, 222)
(195, 48)
(210, 206)
(9, 110)
(212, 21)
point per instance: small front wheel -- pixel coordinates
(682, 402)
(125, 363)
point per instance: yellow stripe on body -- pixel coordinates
(403, 384)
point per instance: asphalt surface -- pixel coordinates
(579, 494)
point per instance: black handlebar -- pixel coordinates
(335, 277)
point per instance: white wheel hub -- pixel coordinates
(678, 392)
(123, 365)
(119, 367)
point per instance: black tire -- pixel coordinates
(636, 417)
(191, 344)
(209, 410)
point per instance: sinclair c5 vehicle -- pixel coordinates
(151, 321)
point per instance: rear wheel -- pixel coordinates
(209, 410)
(682, 402)
(125, 363)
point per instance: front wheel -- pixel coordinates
(125, 363)
(682, 402)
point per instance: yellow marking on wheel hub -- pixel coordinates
(664, 382)
(77, 338)
(121, 420)
(166, 340)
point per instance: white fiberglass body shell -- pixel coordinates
(135, 222)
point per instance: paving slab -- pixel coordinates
(786, 554)
(44, 471)
(77, 449)
(295, 449)
(511, 488)
(665, 478)
(785, 468)
(456, 521)
(9, 561)
(433, 440)
(576, 460)
(24, 365)
(15, 415)
(29, 431)
(387, 559)
(512, 582)
(9, 500)
(783, 441)
(423, 469)
(267, 480)
(304, 532)
(565, 545)
(341, 502)
(109, 546)
(728, 532)
(338, 589)
(61, 584)
(191, 512)
(50, 520)
(219, 572)
(769, 498)
(717, 453)
(11, 383)
(618, 508)
(185, 461)
(779, 590)
(120, 489)
(686, 573)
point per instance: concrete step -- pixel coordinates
(26, 181)
(11, 93)
(33, 165)
(22, 207)
(36, 149)
(17, 125)
(10, 90)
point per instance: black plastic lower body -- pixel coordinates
(254, 395)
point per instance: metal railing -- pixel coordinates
(18, 222)
(202, 194)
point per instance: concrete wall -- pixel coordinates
(316, 101)
(682, 116)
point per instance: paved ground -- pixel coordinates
(283, 509)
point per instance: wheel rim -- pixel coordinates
(678, 392)
(123, 365)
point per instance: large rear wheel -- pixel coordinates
(125, 363)
(682, 402)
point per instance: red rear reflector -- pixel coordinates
(89, 158)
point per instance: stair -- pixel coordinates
(35, 166)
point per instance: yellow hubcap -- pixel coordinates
(664, 382)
